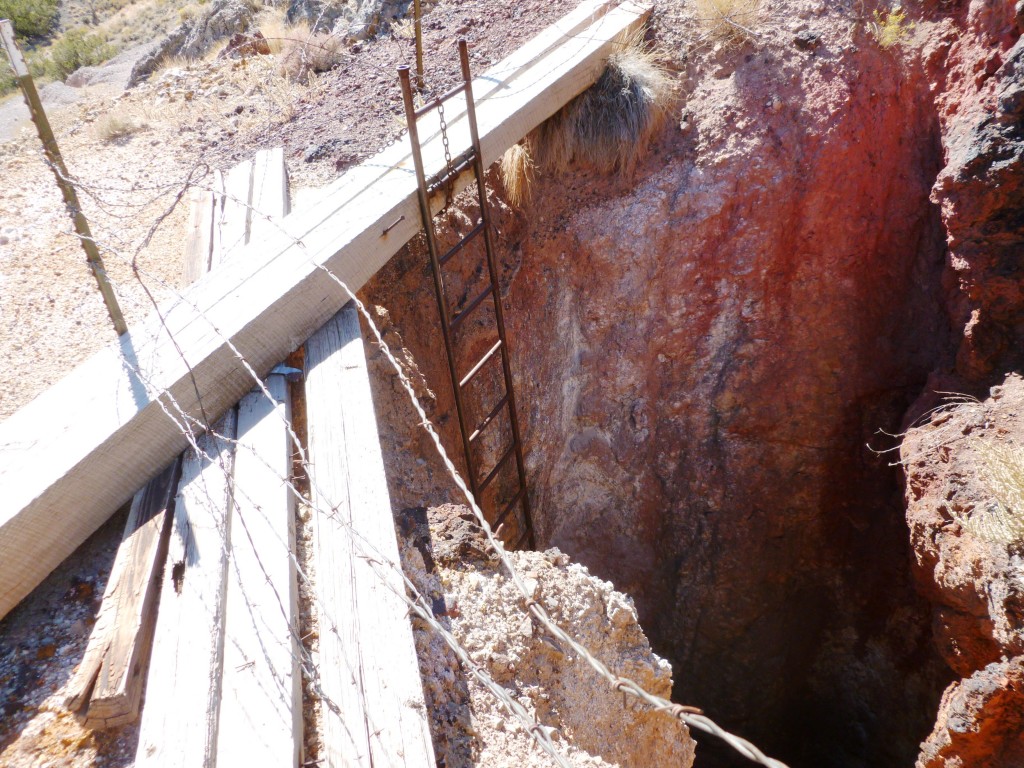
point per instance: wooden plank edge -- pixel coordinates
(368, 661)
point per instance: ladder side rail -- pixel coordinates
(428, 228)
(496, 293)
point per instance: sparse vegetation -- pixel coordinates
(74, 49)
(404, 29)
(890, 27)
(315, 53)
(31, 18)
(729, 20)
(517, 173)
(609, 126)
(36, 67)
(115, 127)
(1002, 520)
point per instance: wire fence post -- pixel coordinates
(417, 15)
(60, 173)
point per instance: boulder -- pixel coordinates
(197, 35)
(353, 19)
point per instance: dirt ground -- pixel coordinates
(184, 123)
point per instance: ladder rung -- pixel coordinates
(490, 417)
(462, 243)
(508, 507)
(476, 368)
(493, 472)
(435, 102)
(462, 163)
(459, 318)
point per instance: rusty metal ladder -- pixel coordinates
(471, 158)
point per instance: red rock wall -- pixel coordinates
(977, 69)
(974, 581)
(705, 350)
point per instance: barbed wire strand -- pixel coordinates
(416, 603)
(691, 716)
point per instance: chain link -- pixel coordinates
(449, 169)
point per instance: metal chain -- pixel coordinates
(450, 171)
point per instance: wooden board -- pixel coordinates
(269, 194)
(118, 691)
(233, 208)
(179, 723)
(261, 705)
(70, 457)
(117, 647)
(373, 709)
(261, 708)
(199, 236)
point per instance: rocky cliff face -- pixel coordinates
(960, 463)
(976, 64)
(709, 351)
(969, 563)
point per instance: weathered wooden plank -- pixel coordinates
(117, 644)
(260, 707)
(118, 691)
(70, 457)
(199, 236)
(373, 710)
(234, 213)
(179, 721)
(269, 193)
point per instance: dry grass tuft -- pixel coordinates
(1002, 520)
(404, 29)
(729, 20)
(114, 127)
(278, 31)
(517, 173)
(609, 126)
(315, 53)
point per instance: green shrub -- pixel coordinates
(76, 48)
(36, 67)
(31, 18)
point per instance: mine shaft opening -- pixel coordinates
(709, 361)
(720, 457)
(724, 461)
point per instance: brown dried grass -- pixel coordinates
(313, 54)
(517, 171)
(729, 20)
(609, 127)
